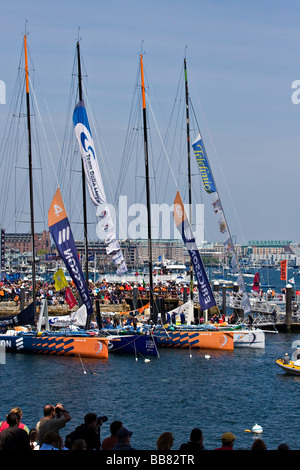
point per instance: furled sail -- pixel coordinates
(206, 297)
(105, 227)
(60, 230)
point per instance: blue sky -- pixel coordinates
(242, 59)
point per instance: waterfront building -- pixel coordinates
(266, 252)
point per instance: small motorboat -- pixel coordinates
(291, 367)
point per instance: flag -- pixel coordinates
(203, 165)
(283, 270)
(88, 154)
(60, 230)
(60, 280)
(206, 297)
(292, 281)
(71, 301)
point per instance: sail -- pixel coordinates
(206, 297)
(256, 284)
(105, 227)
(60, 230)
(88, 154)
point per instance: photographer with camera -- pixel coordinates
(89, 431)
(55, 418)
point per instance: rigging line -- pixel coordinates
(104, 160)
(217, 191)
(130, 142)
(44, 133)
(220, 167)
(163, 145)
(228, 230)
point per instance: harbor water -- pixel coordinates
(177, 391)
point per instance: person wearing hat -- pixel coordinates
(123, 440)
(286, 358)
(227, 441)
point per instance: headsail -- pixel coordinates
(206, 297)
(60, 230)
(105, 227)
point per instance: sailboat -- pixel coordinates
(131, 342)
(164, 337)
(29, 340)
(241, 338)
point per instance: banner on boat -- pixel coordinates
(202, 160)
(206, 298)
(60, 230)
(105, 227)
(88, 154)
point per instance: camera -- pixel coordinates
(101, 419)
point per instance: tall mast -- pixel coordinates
(189, 161)
(86, 269)
(30, 177)
(147, 185)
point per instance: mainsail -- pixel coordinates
(206, 297)
(105, 227)
(60, 230)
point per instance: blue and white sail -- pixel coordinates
(105, 227)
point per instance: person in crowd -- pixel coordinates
(123, 440)
(165, 441)
(34, 439)
(55, 418)
(296, 354)
(89, 431)
(258, 444)
(109, 442)
(227, 441)
(79, 444)
(14, 438)
(18, 411)
(195, 444)
(283, 446)
(52, 441)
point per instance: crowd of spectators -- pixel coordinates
(16, 436)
